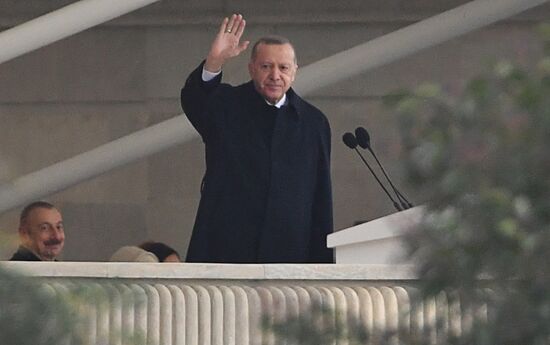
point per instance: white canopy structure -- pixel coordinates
(62, 23)
(86, 13)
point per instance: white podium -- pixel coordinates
(376, 242)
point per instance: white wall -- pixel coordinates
(125, 75)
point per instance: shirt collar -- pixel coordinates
(28, 252)
(290, 98)
(279, 104)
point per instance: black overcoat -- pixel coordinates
(266, 194)
(23, 254)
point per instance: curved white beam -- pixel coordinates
(391, 47)
(62, 23)
(409, 40)
(95, 162)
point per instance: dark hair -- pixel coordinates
(32, 206)
(271, 40)
(161, 250)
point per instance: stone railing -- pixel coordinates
(225, 304)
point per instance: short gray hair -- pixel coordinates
(31, 207)
(271, 40)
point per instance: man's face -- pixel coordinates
(273, 70)
(42, 232)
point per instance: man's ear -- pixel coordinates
(23, 232)
(250, 69)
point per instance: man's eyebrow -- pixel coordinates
(48, 223)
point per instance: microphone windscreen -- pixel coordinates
(363, 137)
(349, 140)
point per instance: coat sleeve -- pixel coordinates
(195, 99)
(322, 224)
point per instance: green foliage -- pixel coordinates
(320, 326)
(484, 156)
(33, 314)
(483, 159)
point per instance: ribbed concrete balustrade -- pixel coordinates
(224, 304)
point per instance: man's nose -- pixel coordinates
(275, 74)
(57, 234)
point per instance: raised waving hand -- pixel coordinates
(227, 43)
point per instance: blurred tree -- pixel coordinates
(485, 157)
(484, 242)
(32, 314)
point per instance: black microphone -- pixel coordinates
(351, 142)
(363, 140)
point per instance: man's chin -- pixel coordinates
(273, 99)
(52, 252)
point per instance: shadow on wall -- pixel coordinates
(104, 228)
(8, 243)
(5, 170)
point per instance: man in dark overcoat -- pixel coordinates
(266, 193)
(41, 233)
